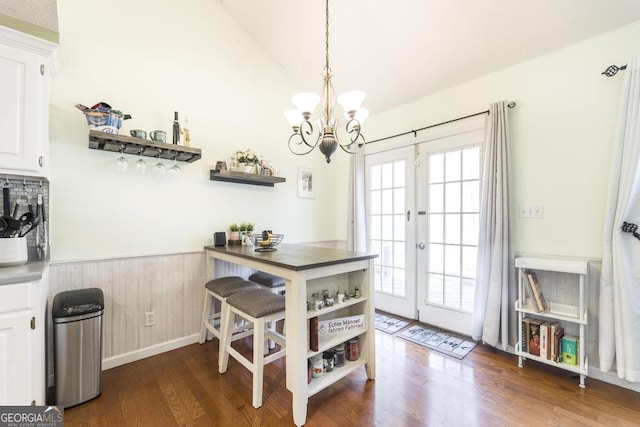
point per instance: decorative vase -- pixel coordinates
(235, 235)
(249, 168)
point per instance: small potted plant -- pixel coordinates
(235, 231)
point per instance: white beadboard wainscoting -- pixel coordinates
(171, 286)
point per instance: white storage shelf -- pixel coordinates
(555, 276)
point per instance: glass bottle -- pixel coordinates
(176, 128)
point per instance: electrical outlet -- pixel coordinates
(150, 319)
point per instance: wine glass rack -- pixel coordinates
(138, 146)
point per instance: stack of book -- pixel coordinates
(546, 339)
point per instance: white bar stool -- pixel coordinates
(220, 289)
(259, 307)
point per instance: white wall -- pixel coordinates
(151, 58)
(561, 133)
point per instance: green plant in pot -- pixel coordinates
(235, 231)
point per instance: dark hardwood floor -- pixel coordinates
(414, 386)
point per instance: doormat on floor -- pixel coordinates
(438, 340)
(389, 324)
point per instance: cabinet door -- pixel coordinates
(15, 358)
(20, 127)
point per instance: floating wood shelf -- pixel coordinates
(109, 142)
(245, 178)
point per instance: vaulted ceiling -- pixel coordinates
(400, 50)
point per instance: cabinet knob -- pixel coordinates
(40, 161)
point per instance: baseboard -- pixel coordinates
(611, 378)
(143, 353)
(597, 374)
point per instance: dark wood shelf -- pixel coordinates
(109, 142)
(245, 178)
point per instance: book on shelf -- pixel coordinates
(533, 336)
(556, 350)
(313, 333)
(570, 346)
(528, 292)
(524, 325)
(544, 339)
(539, 302)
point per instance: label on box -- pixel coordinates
(341, 324)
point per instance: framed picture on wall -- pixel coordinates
(306, 182)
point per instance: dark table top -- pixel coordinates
(295, 257)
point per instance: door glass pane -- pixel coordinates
(398, 200)
(386, 256)
(471, 196)
(468, 293)
(436, 168)
(452, 166)
(387, 227)
(398, 255)
(436, 198)
(398, 174)
(469, 259)
(452, 197)
(387, 175)
(470, 229)
(376, 223)
(375, 177)
(387, 280)
(452, 259)
(452, 228)
(387, 201)
(436, 258)
(436, 228)
(377, 277)
(376, 202)
(399, 225)
(471, 163)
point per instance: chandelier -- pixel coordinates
(326, 137)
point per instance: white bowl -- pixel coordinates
(13, 251)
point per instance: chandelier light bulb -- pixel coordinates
(360, 115)
(306, 102)
(294, 117)
(352, 100)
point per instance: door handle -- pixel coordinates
(421, 245)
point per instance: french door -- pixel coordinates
(448, 202)
(390, 178)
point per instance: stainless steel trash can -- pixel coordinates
(77, 344)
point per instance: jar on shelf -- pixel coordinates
(327, 361)
(316, 366)
(353, 351)
(339, 356)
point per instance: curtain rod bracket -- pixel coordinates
(511, 104)
(415, 133)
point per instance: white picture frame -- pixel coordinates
(306, 182)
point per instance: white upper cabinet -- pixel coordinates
(25, 74)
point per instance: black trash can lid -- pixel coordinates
(77, 302)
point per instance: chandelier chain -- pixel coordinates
(327, 36)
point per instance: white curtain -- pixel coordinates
(357, 219)
(495, 282)
(619, 334)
